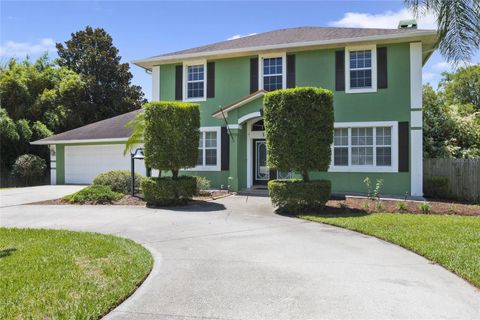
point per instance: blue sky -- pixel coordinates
(141, 29)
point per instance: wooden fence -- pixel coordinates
(463, 176)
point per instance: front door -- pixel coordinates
(261, 172)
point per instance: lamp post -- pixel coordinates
(137, 155)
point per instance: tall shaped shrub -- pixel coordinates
(171, 135)
(299, 133)
(299, 129)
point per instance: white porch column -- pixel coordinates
(416, 120)
(156, 83)
(53, 164)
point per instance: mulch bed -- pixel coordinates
(365, 205)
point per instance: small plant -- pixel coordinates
(95, 194)
(368, 184)
(451, 209)
(425, 207)
(402, 206)
(378, 187)
(379, 207)
(344, 207)
(203, 184)
(366, 206)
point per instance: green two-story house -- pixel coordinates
(375, 75)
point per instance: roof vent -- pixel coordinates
(407, 24)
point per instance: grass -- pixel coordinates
(56, 274)
(451, 241)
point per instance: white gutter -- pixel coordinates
(50, 142)
(160, 59)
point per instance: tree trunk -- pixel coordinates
(175, 174)
(305, 176)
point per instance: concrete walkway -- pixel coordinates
(235, 259)
(18, 196)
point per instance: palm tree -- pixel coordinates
(458, 24)
(136, 138)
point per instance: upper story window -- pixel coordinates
(360, 69)
(273, 72)
(367, 148)
(195, 84)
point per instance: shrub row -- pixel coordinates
(296, 195)
(95, 194)
(165, 191)
(118, 180)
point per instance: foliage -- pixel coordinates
(462, 87)
(402, 205)
(451, 241)
(458, 24)
(449, 131)
(59, 274)
(297, 120)
(27, 166)
(436, 187)
(166, 191)
(108, 89)
(425, 207)
(137, 136)
(203, 184)
(95, 194)
(296, 195)
(118, 180)
(171, 135)
(375, 194)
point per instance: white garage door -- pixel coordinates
(84, 163)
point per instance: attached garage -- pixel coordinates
(83, 163)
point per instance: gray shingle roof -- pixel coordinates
(293, 35)
(112, 128)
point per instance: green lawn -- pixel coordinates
(48, 274)
(451, 241)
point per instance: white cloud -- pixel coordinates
(21, 49)
(428, 76)
(442, 66)
(238, 36)
(387, 19)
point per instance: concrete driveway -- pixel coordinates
(235, 259)
(18, 196)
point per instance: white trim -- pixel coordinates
(51, 142)
(416, 75)
(186, 64)
(218, 114)
(179, 57)
(234, 126)
(219, 151)
(250, 136)
(249, 116)
(282, 55)
(373, 48)
(416, 160)
(373, 168)
(53, 176)
(156, 83)
(416, 119)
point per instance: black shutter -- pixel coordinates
(403, 146)
(291, 71)
(179, 83)
(340, 70)
(225, 152)
(382, 77)
(211, 80)
(253, 75)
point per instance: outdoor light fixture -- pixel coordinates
(137, 155)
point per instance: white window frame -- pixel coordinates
(368, 168)
(373, 48)
(282, 55)
(187, 64)
(219, 151)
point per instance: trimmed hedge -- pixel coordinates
(296, 195)
(299, 129)
(95, 194)
(171, 135)
(118, 180)
(436, 187)
(203, 184)
(166, 191)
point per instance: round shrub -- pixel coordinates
(118, 180)
(95, 194)
(165, 191)
(436, 187)
(28, 166)
(296, 195)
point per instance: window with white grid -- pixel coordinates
(340, 147)
(360, 69)
(207, 149)
(195, 81)
(272, 73)
(384, 146)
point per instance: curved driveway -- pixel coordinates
(235, 259)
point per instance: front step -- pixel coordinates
(258, 192)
